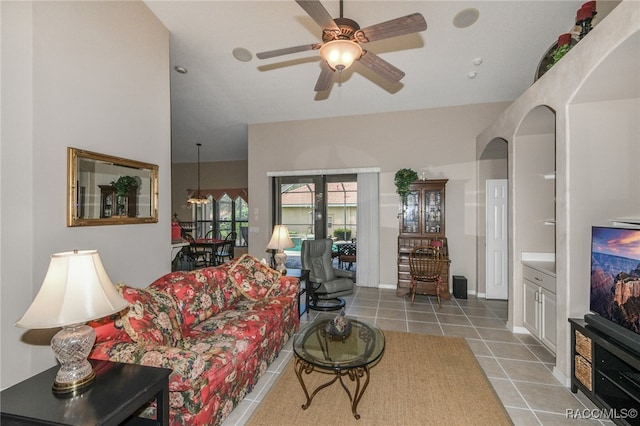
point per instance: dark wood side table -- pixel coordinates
(117, 394)
(303, 275)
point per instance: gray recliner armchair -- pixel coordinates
(327, 283)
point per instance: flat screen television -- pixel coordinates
(615, 284)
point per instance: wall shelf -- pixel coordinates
(632, 221)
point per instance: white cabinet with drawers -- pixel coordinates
(540, 305)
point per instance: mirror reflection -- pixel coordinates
(104, 190)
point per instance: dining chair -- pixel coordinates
(198, 253)
(347, 254)
(213, 234)
(224, 250)
(426, 268)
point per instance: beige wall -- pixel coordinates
(92, 75)
(439, 141)
(605, 181)
(213, 175)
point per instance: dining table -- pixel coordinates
(205, 250)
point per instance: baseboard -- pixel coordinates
(561, 377)
(517, 330)
(388, 286)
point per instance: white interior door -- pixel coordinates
(497, 277)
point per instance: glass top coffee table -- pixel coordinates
(351, 355)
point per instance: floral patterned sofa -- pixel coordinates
(217, 328)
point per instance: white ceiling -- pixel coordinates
(213, 103)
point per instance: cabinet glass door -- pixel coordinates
(107, 204)
(433, 212)
(411, 214)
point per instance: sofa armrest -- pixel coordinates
(286, 286)
(187, 366)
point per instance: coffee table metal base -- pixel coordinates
(354, 374)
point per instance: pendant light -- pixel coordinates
(197, 198)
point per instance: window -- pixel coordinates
(218, 218)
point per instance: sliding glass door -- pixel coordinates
(315, 207)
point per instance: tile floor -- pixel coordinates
(517, 365)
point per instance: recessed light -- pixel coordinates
(242, 54)
(181, 70)
(471, 75)
(466, 17)
(477, 62)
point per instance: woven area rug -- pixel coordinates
(421, 380)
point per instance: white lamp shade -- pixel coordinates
(280, 238)
(340, 54)
(76, 289)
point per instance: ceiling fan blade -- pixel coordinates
(318, 13)
(381, 67)
(287, 50)
(395, 27)
(325, 77)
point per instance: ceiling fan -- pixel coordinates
(341, 42)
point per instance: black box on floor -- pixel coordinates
(459, 287)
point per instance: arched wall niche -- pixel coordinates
(532, 200)
(533, 193)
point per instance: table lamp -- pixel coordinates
(280, 240)
(76, 289)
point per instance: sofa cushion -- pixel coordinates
(152, 316)
(192, 294)
(198, 294)
(254, 279)
(110, 328)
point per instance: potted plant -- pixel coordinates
(565, 43)
(403, 179)
(124, 184)
(343, 233)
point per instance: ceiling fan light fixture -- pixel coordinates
(340, 54)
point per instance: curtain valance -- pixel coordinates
(217, 194)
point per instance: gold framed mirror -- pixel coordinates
(107, 190)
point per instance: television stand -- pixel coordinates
(606, 371)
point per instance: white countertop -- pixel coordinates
(543, 262)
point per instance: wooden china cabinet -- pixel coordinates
(422, 222)
(114, 205)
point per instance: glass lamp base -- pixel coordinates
(281, 258)
(72, 345)
(73, 388)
